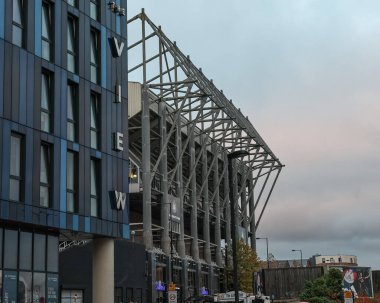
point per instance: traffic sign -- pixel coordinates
(172, 296)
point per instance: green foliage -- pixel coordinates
(326, 289)
(248, 263)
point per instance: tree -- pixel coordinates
(247, 261)
(326, 289)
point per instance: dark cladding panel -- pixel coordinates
(23, 85)
(7, 81)
(30, 91)
(57, 33)
(2, 75)
(15, 82)
(29, 157)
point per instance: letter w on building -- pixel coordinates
(120, 200)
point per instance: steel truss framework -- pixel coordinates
(187, 148)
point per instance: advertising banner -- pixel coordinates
(357, 280)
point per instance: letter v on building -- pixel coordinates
(116, 47)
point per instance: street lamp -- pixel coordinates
(266, 239)
(230, 157)
(300, 250)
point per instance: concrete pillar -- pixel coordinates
(194, 209)
(244, 208)
(227, 205)
(206, 208)
(103, 285)
(218, 253)
(165, 206)
(146, 173)
(181, 240)
(252, 221)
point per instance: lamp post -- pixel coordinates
(230, 157)
(300, 250)
(266, 239)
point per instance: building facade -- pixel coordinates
(333, 260)
(63, 139)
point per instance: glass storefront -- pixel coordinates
(24, 277)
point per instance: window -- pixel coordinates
(72, 45)
(71, 296)
(72, 112)
(47, 41)
(46, 106)
(16, 182)
(95, 121)
(95, 197)
(118, 294)
(94, 10)
(323, 260)
(72, 182)
(95, 55)
(45, 175)
(18, 23)
(72, 2)
(332, 260)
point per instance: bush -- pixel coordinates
(326, 289)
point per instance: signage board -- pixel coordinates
(172, 295)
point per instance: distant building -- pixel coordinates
(336, 260)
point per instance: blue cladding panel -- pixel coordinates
(2, 18)
(104, 56)
(118, 20)
(76, 78)
(126, 233)
(62, 203)
(62, 220)
(75, 222)
(87, 224)
(38, 27)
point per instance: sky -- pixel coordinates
(307, 75)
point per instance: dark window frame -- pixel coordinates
(50, 107)
(47, 149)
(95, 4)
(73, 87)
(47, 6)
(95, 62)
(73, 191)
(21, 156)
(72, 25)
(21, 25)
(97, 194)
(96, 126)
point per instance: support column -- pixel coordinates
(146, 174)
(165, 205)
(194, 209)
(206, 208)
(103, 285)
(218, 252)
(244, 214)
(252, 221)
(181, 241)
(227, 204)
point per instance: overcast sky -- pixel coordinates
(307, 74)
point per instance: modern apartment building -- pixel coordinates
(63, 141)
